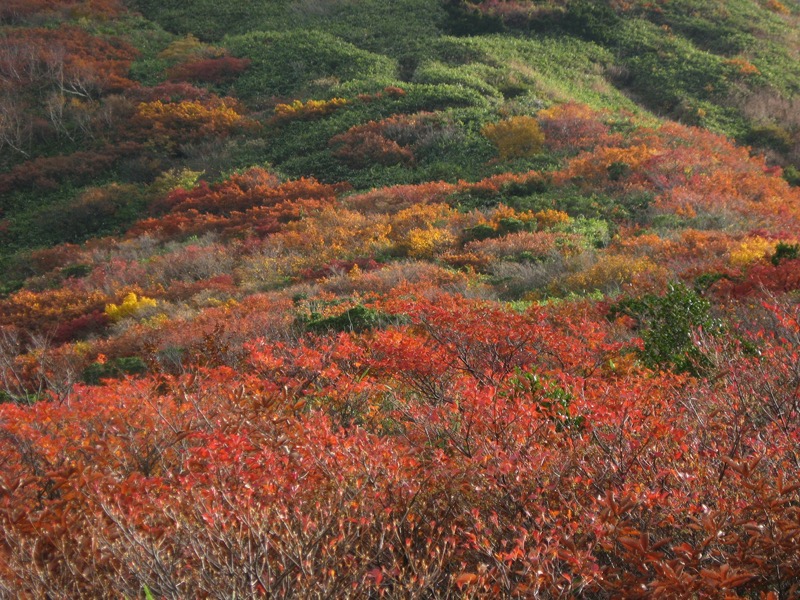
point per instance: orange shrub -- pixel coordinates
(393, 199)
(44, 311)
(175, 117)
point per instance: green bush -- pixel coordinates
(462, 20)
(113, 369)
(792, 175)
(577, 203)
(666, 324)
(784, 251)
(296, 63)
(595, 232)
(211, 19)
(770, 135)
(356, 319)
(483, 231)
(508, 225)
(97, 211)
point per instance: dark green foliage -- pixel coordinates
(455, 151)
(792, 175)
(9, 286)
(666, 324)
(76, 271)
(706, 280)
(592, 20)
(510, 225)
(209, 19)
(483, 231)
(356, 319)
(618, 170)
(580, 203)
(770, 136)
(149, 38)
(113, 369)
(97, 211)
(784, 251)
(398, 28)
(297, 63)
(465, 21)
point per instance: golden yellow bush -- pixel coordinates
(309, 108)
(131, 305)
(550, 217)
(425, 243)
(517, 137)
(420, 216)
(217, 118)
(750, 251)
(613, 271)
(502, 212)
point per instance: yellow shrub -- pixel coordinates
(424, 243)
(550, 217)
(420, 216)
(309, 108)
(517, 137)
(502, 212)
(131, 305)
(612, 271)
(751, 250)
(173, 179)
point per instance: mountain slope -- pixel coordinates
(399, 299)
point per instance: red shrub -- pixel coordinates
(81, 327)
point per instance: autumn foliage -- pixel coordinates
(571, 373)
(515, 137)
(449, 444)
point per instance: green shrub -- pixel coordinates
(483, 231)
(211, 19)
(464, 21)
(293, 63)
(77, 271)
(596, 232)
(792, 175)
(113, 369)
(784, 251)
(770, 136)
(666, 324)
(508, 225)
(356, 319)
(435, 72)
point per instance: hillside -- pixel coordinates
(421, 298)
